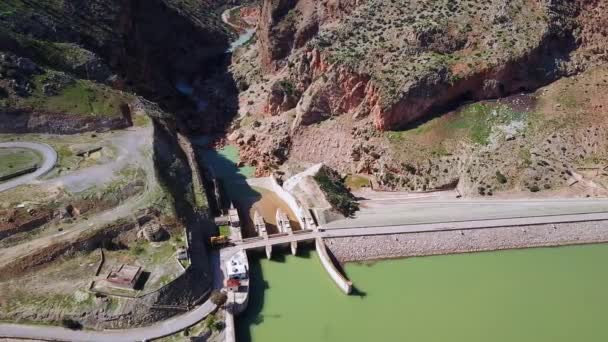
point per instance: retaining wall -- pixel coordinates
(343, 284)
(229, 330)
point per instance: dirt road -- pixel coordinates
(49, 159)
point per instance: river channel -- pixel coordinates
(545, 294)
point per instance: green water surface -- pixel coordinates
(223, 162)
(547, 294)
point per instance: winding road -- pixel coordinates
(49, 159)
(154, 331)
(440, 215)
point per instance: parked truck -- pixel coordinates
(219, 241)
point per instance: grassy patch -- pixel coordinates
(141, 121)
(525, 156)
(185, 263)
(225, 230)
(475, 120)
(47, 301)
(473, 123)
(355, 182)
(14, 160)
(81, 98)
(164, 279)
(149, 254)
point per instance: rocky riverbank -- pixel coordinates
(362, 248)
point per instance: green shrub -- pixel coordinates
(502, 179)
(336, 191)
(71, 324)
(288, 88)
(218, 298)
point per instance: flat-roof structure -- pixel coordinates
(236, 267)
(223, 220)
(125, 276)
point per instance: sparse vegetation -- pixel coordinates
(356, 182)
(224, 230)
(218, 298)
(288, 88)
(81, 98)
(403, 40)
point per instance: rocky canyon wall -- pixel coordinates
(323, 78)
(289, 24)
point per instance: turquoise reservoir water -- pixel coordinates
(547, 294)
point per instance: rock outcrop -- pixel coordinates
(31, 121)
(133, 45)
(405, 68)
(381, 66)
(289, 24)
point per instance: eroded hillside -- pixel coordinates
(95, 81)
(339, 93)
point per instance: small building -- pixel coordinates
(125, 276)
(236, 268)
(237, 271)
(182, 253)
(223, 220)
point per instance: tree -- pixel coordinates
(218, 298)
(502, 179)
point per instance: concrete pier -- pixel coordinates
(229, 330)
(343, 284)
(294, 247)
(269, 251)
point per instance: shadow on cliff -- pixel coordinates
(173, 172)
(207, 100)
(525, 75)
(156, 45)
(230, 186)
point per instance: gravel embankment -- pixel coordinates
(362, 248)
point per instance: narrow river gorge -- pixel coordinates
(544, 294)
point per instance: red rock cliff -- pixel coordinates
(288, 24)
